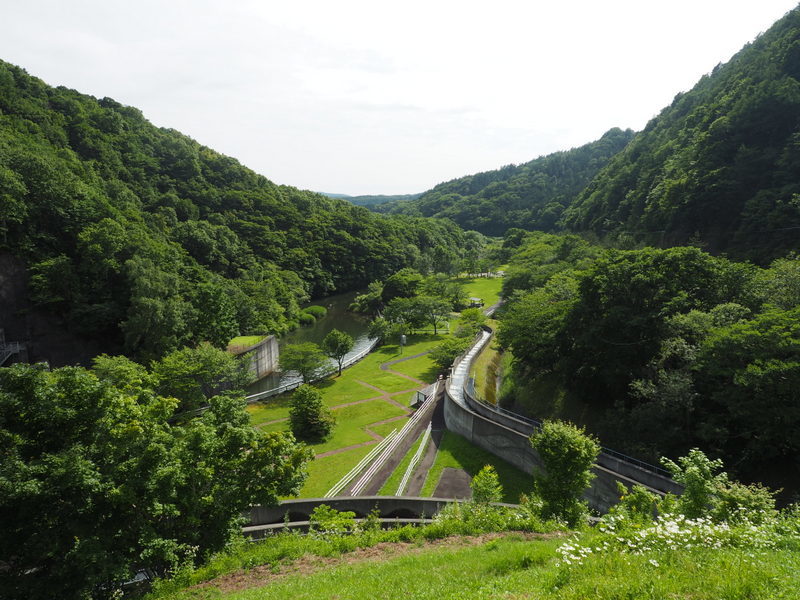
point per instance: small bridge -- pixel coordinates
(264, 520)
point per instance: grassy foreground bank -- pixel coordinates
(673, 557)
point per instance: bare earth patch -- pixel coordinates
(308, 564)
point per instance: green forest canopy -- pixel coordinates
(532, 195)
(670, 348)
(720, 165)
(147, 240)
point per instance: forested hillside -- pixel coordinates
(528, 196)
(371, 200)
(720, 165)
(659, 350)
(141, 238)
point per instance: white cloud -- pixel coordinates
(368, 97)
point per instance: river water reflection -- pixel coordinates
(338, 317)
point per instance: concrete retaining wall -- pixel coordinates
(629, 470)
(512, 445)
(263, 357)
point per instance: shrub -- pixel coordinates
(486, 486)
(710, 493)
(567, 454)
(325, 520)
(445, 353)
(316, 311)
(306, 319)
(309, 418)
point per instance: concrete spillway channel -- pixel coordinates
(458, 377)
(381, 468)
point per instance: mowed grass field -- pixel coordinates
(457, 453)
(363, 396)
(485, 288)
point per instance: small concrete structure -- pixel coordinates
(263, 356)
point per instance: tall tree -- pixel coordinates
(306, 359)
(95, 483)
(310, 419)
(567, 455)
(336, 345)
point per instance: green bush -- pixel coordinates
(316, 311)
(309, 418)
(486, 486)
(568, 455)
(306, 319)
(329, 521)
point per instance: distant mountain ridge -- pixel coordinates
(373, 200)
(532, 195)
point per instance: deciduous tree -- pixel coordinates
(336, 345)
(310, 419)
(306, 359)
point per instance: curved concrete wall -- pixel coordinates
(508, 438)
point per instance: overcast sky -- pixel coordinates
(371, 97)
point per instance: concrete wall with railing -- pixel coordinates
(349, 361)
(508, 436)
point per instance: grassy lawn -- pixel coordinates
(485, 288)
(458, 453)
(273, 427)
(353, 420)
(421, 368)
(323, 473)
(244, 341)
(513, 567)
(269, 410)
(386, 428)
(351, 424)
(390, 487)
(344, 389)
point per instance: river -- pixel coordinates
(338, 317)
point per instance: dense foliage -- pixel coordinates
(532, 195)
(144, 239)
(671, 349)
(370, 200)
(567, 456)
(310, 419)
(721, 164)
(97, 481)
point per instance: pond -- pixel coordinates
(338, 317)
